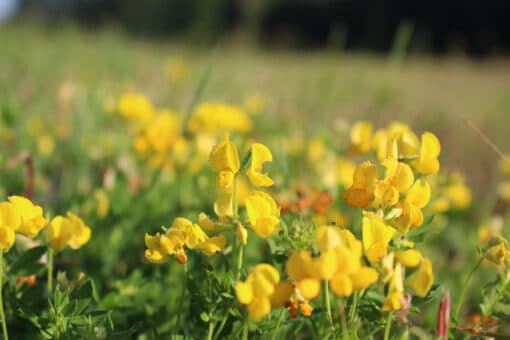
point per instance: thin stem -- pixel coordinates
(50, 270)
(352, 312)
(464, 288)
(211, 329)
(239, 261)
(245, 328)
(345, 331)
(328, 305)
(387, 328)
(222, 324)
(2, 314)
(183, 294)
(280, 319)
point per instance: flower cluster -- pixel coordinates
(19, 215)
(70, 230)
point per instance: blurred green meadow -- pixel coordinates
(65, 74)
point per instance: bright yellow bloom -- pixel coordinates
(182, 233)
(361, 192)
(263, 213)
(409, 257)
(259, 155)
(406, 141)
(10, 221)
(32, 219)
(328, 237)
(206, 224)
(303, 270)
(159, 134)
(395, 290)
(262, 291)
(215, 118)
(344, 171)
(497, 251)
(427, 163)
(376, 236)
(135, 107)
(416, 199)
(225, 160)
(399, 178)
(70, 230)
(422, 279)
(361, 136)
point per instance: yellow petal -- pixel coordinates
(213, 245)
(223, 206)
(328, 237)
(7, 238)
(363, 278)
(59, 232)
(361, 134)
(361, 193)
(327, 264)
(408, 258)
(298, 265)
(224, 156)
(80, 232)
(282, 293)
(419, 194)
(206, 224)
(421, 281)
(393, 301)
(154, 256)
(341, 285)
(259, 307)
(9, 216)
(403, 177)
(259, 155)
(244, 292)
(309, 288)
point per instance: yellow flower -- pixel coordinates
(427, 163)
(206, 224)
(328, 237)
(259, 155)
(70, 231)
(214, 118)
(193, 234)
(135, 107)
(225, 160)
(262, 291)
(422, 279)
(10, 221)
(159, 134)
(416, 199)
(32, 219)
(361, 134)
(376, 236)
(242, 233)
(213, 245)
(361, 192)
(395, 290)
(263, 213)
(345, 171)
(399, 178)
(406, 141)
(302, 269)
(496, 251)
(409, 257)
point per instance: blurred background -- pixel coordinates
(432, 64)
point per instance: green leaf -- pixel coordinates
(83, 292)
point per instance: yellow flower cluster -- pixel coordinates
(70, 230)
(182, 233)
(339, 263)
(394, 202)
(135, 107)
(19, 215)
(216, 118)
(263, 213)
(263, 291)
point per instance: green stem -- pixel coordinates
(234, 199)
(245, 328)
(222, 324)
(50, 271)
(352, 312)
(280, 319)
(2, 314)
(239, 262)
(328, 305)
(387, 328)
(464, 288)
(345, 330)
(181, 301)
(211, 329)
